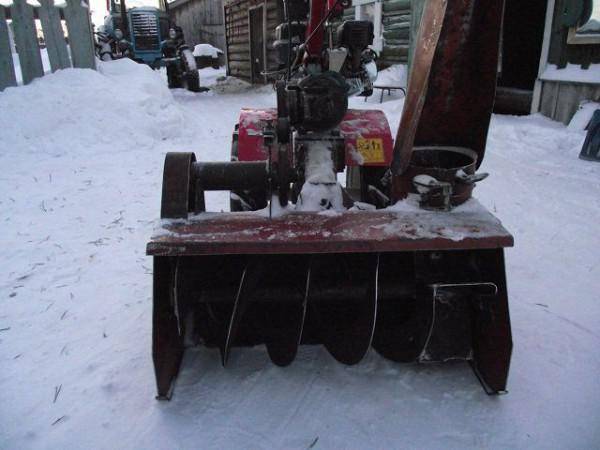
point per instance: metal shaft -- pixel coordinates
(224, 176)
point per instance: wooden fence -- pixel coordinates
(22, 17)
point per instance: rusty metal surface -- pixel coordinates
(427, 40)
(451, 91)
(361, 232)
(460, 96)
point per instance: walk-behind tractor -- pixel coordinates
(146, 35)
(401, 259)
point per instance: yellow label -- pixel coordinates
(371, 150)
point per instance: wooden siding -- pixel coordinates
(396, 24)
(559, 100)
(237, 35)
(396, 18)
(201, 20)
(22, 15)
(562, 53)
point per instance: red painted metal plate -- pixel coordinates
(360, 231)
(250, 140)
(366, 131)
(368, 138)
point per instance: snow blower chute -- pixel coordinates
(401, 259)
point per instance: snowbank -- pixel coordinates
(584, 114)
(230, 85)
(392, 76)
(90, 109)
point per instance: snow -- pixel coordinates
(584, 114)
(573, 73)
(82, 156)
(206, 50)
(321, 191)
(393, 76)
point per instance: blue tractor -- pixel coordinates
(145, 34)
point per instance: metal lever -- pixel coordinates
(465, 178)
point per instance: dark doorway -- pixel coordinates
(257, 43)
(522, 39)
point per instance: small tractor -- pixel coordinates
(401, 259)
(146, 35)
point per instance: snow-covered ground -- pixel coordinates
(81, 155)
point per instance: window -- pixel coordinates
(587, 32)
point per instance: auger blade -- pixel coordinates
(286, 320)
(403, 317)
(346, 325)
(248, 282)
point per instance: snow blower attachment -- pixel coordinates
(393, 261)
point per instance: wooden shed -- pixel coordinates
(249, 35)
(250, 27)
(547, 65)
(201, 21)
(569, 68)
(392, 22)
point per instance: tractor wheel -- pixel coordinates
(173, 77)
(190, 70)
(192, 81)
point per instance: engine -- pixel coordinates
(314, 98)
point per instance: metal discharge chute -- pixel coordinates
(390, 261)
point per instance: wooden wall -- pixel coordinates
(396, 31)
(201, 20)
(22, 14)
(396, 26)
(559, 100)
(562, 53)
(237, 36)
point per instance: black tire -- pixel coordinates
(191, 78)
(173, 77)
(178, 196)
(192, 81)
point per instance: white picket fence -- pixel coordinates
(76, 13)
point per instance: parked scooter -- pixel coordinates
(182, 71)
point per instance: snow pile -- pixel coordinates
(572, 72)
(207, 50)
(392, 76)
(94, 108)
(230, 85)
(584, 114)
(392, 104)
